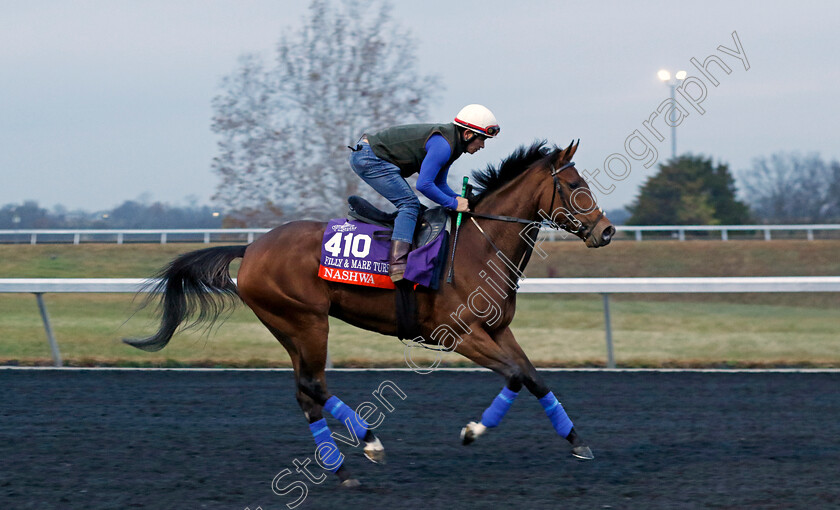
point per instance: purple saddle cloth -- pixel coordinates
(425, 264)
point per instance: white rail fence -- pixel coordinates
(163, 236)
(603, 286)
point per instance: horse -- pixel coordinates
(278, 279)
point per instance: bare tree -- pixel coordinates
(791, 188)
(284, 129)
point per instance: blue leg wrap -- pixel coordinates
(342, 413)
(330, 457)
(555, 412)
(493, 415)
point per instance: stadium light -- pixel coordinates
(665, 76)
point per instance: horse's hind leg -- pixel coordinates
(307, 348)
(311, 386)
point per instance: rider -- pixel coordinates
(384, 159)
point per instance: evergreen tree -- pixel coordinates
(689, 190)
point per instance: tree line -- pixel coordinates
(128, 215)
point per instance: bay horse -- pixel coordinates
(278, 279)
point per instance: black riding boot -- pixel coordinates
(397, 258)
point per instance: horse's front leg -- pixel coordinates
(503, 354)
(553, 408)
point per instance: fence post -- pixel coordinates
(250, 237)
(681, 234)
(120, 238)
(163, 238)
(810, 234)
(610, 357)
(207, 238)
(766, 234)
(724, 236)
(77, 238)
(638, 235)
(56, 356)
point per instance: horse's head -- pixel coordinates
(572, 206)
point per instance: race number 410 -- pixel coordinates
(357, 244)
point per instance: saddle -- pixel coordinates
(430, 222)
(425, 262)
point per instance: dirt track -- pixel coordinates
(184, 440)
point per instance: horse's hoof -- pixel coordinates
(471, 432)
(582, 453)
(467, 436)
(350, 483)
(375, 452)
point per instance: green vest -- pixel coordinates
(405, 146)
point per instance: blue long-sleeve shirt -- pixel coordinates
(431, 181)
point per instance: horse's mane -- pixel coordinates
(492, 178)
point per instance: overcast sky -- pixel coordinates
(103, 101)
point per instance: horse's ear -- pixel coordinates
(560, 157)
(573, 147)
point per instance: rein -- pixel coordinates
(510, 219)
(586, 232)
(514, 219)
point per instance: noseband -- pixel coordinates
(584, 232)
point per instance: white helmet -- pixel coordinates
(479, 119)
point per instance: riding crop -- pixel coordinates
(457, 228)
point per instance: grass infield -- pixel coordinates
(555, 330)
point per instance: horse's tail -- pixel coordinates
(196, 282)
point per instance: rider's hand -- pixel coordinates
(463, 204)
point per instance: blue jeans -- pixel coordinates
(385, 178)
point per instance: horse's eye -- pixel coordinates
(574, 185)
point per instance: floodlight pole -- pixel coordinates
(672, 83)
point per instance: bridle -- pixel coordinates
(585, 232)
(582, 231)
